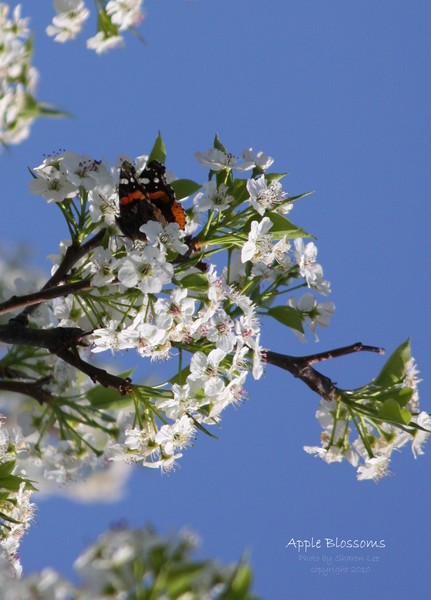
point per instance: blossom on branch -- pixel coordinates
(114, 17)
(18, 79)
(163, 297)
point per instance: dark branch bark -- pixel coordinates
(73, 253)
(34, 389)
(300, 366)
(123, 385)
(63, 342)
(16, 302)
(54, 340)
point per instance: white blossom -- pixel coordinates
(101, 42)
(258, 247)
(125, 13)
(213, 197)
(265, 195)
(69, 20)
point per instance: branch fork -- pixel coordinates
(300, 366)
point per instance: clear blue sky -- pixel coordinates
(339, 93)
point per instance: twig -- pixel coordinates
(49, 293)
(300, 366)
(343, 351)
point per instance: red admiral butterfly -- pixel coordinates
(146, 197)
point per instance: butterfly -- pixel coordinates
(147, 197)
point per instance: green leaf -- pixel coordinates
(392, 412)
(418, 427)
(6, 468)
(180, 578)
(105, 24)
(195, 281)
(218, 144)
(180, 378)
(274, 176)
(199, 426)
(101, 397)
(401, 395)
(47, 110)
(299, 197)
(393, 370)
(12, 482)
(158, 151)
(283, 227)
(7, 518)
(239, 190)
(288, 316)
(241, 582)
(185, 187)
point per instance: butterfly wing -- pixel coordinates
(162, 194)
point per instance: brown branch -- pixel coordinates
(49, 293)
(300, 366)
(53, 340)
(73, 253)
(97, 375)
(34, 389)
(8, 373)
(63, 342)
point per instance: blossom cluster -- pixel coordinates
(193, 301)
(160, 301)
(114, 17)
(16, 510)
(18, 78)
(124, 563)
(385, 417)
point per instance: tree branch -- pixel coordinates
(49, 293)
(73, 253)
(63, 342)
(97, 375)
(34, 389)
(300, 367)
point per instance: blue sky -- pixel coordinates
(338, 92)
